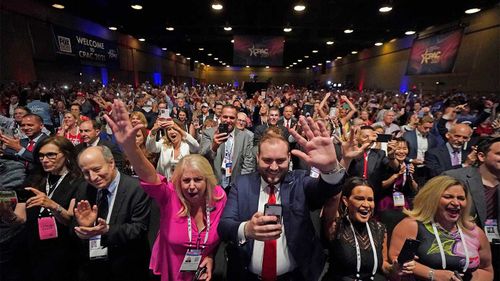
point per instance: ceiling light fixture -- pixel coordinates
(216, 58)
(320, 64)
(385, 8)
(247, 66)
(178, 54)
(410, 32)
(339, 58)
(314, 51)
(58, 6)
(196, 61)
(287, 29)
(307, 67)
(299, 60)
(328, 61)
(170, 28)
(354, 52)
(164, 49)
(267, 66)
(228, 28)
(472, 11)
(228, 66)
(294, 63)
(216, 5)
(201, 49)
(379, 44)
(142, 39)
(188, 58)
(287, 67)
(136, 5)
(306, 57)
(329, 42)
(113, 28)
(232, 41)
(348, 31)
(209, 54)
(299, 7)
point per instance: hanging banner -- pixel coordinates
(435, 54)
(86, 48)
(258, 50)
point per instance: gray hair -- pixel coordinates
(105, 151)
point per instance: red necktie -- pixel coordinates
(365, 165)
(287, 124)
(29, 147)
(269, 260)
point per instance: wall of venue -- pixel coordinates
(274, 75)
(28, 50)
(476, 70)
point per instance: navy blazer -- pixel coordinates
(299, 195)
(438, 160)
(411, 138)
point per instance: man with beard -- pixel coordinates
(268, 247)
(483, 182)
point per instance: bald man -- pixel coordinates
(111, 219)
(452, 154)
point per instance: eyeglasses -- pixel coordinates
(242, 121)
(49, 155)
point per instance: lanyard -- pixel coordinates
(48, 187)
(190, 229)
(441, 249)
(358, 251)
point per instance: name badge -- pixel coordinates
(96, 251)
(47, 228)
(229, 169)
(398, 199)
(191, 260)
(491, 229)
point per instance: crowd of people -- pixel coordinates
(212, 182)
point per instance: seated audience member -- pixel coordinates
(90, 132)
(230, 153)
(355, 233)
(111, 219)
(268, 247)
(191, 201)
(70, 129)
(53, 188)
(172, 147)
(450, 243)
(398, 188)
(452, 154)
(22, 150)
(484, 185)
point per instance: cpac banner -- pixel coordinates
(258, 50)
(86, 48)
(435, 54)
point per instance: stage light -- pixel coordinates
(58, 6)
(347, 31)
(170, 28)
(410, 32)
(379, 44)
(329, 42)
(216, 5)
(472, 11)
(113, 28)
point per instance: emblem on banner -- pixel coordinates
(64, 44)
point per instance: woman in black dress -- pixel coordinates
(358, 243)
(52, 253)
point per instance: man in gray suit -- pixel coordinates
(229, 152)
(483, 183)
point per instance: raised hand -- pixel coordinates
(84, 214)
(119, 122)
(318, 148)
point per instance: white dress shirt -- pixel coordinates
(422, 145)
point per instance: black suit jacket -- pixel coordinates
(293, 122)
(378, 163)
(27, 156)
(411, 138)
(472, 179)
(299, 195)
(127, 239)
(438, 160)
(117, 154)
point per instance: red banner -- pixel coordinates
(258, 50)
(435, 54)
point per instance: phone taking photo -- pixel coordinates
(408, 251)
(274, 210)
(223, 128)
(384, 137)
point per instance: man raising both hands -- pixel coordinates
(267, 247)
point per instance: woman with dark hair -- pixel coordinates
(50, 209)
(358, 243)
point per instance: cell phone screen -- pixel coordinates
(384, 137)
(274, 210)
(408, 251)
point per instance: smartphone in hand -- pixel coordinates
(408, 251)
(274, 210)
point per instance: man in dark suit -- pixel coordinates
(452, 154)
(288, 120)
(89, 131)
(230, 153)
(22, 150)
(483, 184)
(111, 219)
(372, 163)
(419, 141)
(272, 121)
(263, 247)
